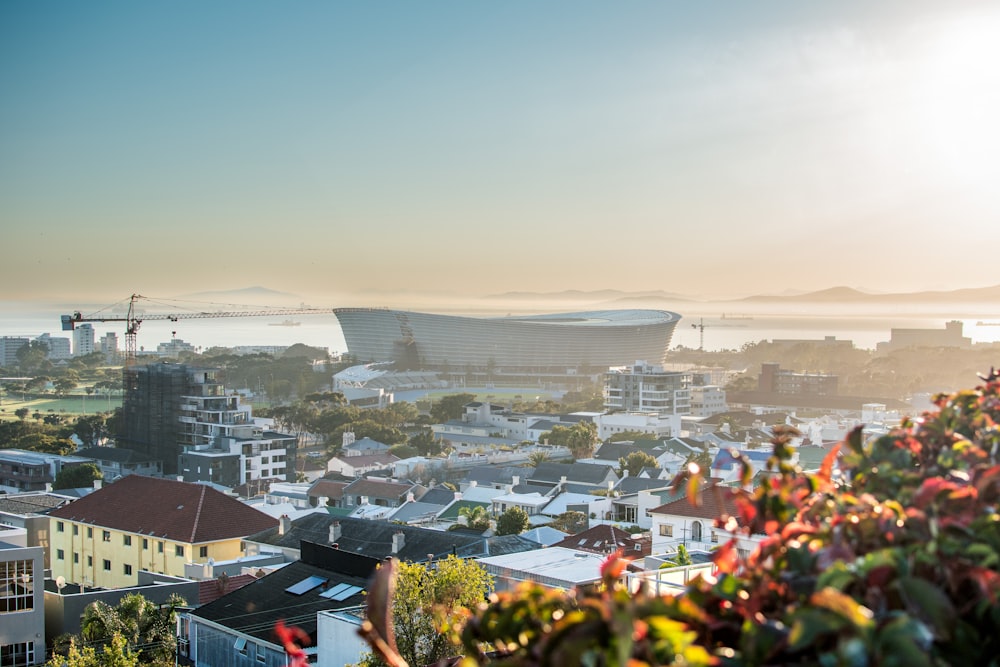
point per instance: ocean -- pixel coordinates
(722, 331)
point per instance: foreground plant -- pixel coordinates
(888, 557)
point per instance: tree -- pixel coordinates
(145, 626)
(91, 429)
(580, 438)
(476, 517)
(428, 604)
(537, 458)
(33, 356)
(513, 522)
(77, 477)
(22, 413)
(115, 652)
(889, 556)
(635, 462)
(450, 407)
(571, 522)
(701, 459)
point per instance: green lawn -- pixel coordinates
(72, 405)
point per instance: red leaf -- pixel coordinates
(726, 558)
(826, 469)
(613, 566)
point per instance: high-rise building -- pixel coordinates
(109, 346)
(183, 416)
(9, 345)
(644, 387)
(83, 339)
(59, 348)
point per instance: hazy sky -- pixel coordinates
(325, 148)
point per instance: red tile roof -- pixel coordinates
(712, 503)
(178, 511)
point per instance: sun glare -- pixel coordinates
(957, 100)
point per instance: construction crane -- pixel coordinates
(701, 333)
(134, 318)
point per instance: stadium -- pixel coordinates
(538, 344)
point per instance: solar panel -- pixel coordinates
(306, 585)
(333, 591)
(346, 593)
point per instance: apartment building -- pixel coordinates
(145, 523)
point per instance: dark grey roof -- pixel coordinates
(586, 473)
(439, 495)
(25, 504)
(256, 607)
(631, 485)
(374, 538)
(114, 454)
(510, 544)
(497, 474)
(612, 451)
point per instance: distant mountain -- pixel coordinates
(256, 293)
(579, 295)
(851, 295)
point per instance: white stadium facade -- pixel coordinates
(557, 343)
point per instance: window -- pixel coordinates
(127, 569)
(241, 645)
(261, 657)
(90, 561)
(715, 537)
(60, 554)
(202, 552)
(90, 533)
(179, 551)
(145, 544)
(106, 535)
(17, 654)
(159, 547)
(17, 585)
(76, 557)
(76, 529)
(696, 531)
(60, 527)
(107, 565)
(127, 540)
(666, 530)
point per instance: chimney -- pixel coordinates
(284, 524)
(334, 532)
(410, 498)
(398, 540)
(515, 480)
(458, 496)
(97, 484)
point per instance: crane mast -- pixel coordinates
(133, 319)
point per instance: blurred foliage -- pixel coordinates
(889, 556)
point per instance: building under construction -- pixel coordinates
(151, 410)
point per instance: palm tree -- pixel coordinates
(146, 627)
(476, 517)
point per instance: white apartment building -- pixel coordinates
(109, 346)
(656, 425)
(643, 387)
(83, 339)
(708, 400)
(59, 348)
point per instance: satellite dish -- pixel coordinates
(60, 582)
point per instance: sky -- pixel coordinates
(336, 149)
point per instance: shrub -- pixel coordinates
(892, 560)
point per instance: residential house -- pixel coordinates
(147, 523)
(606, 539)
(553, 567)
(116, 462)
(693, 524)
(323, 579)
(22, 470)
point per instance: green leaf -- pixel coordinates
(926, 601)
